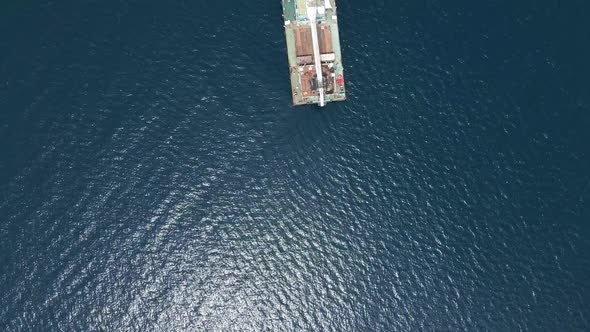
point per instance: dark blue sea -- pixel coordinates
(154, 175)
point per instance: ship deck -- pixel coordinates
(303, 71)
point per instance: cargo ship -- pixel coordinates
(313, 49)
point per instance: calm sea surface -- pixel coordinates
(155, 177)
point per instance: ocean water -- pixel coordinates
(155, 177)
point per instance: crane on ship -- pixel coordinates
(312, 12)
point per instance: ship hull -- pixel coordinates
(313, 50)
